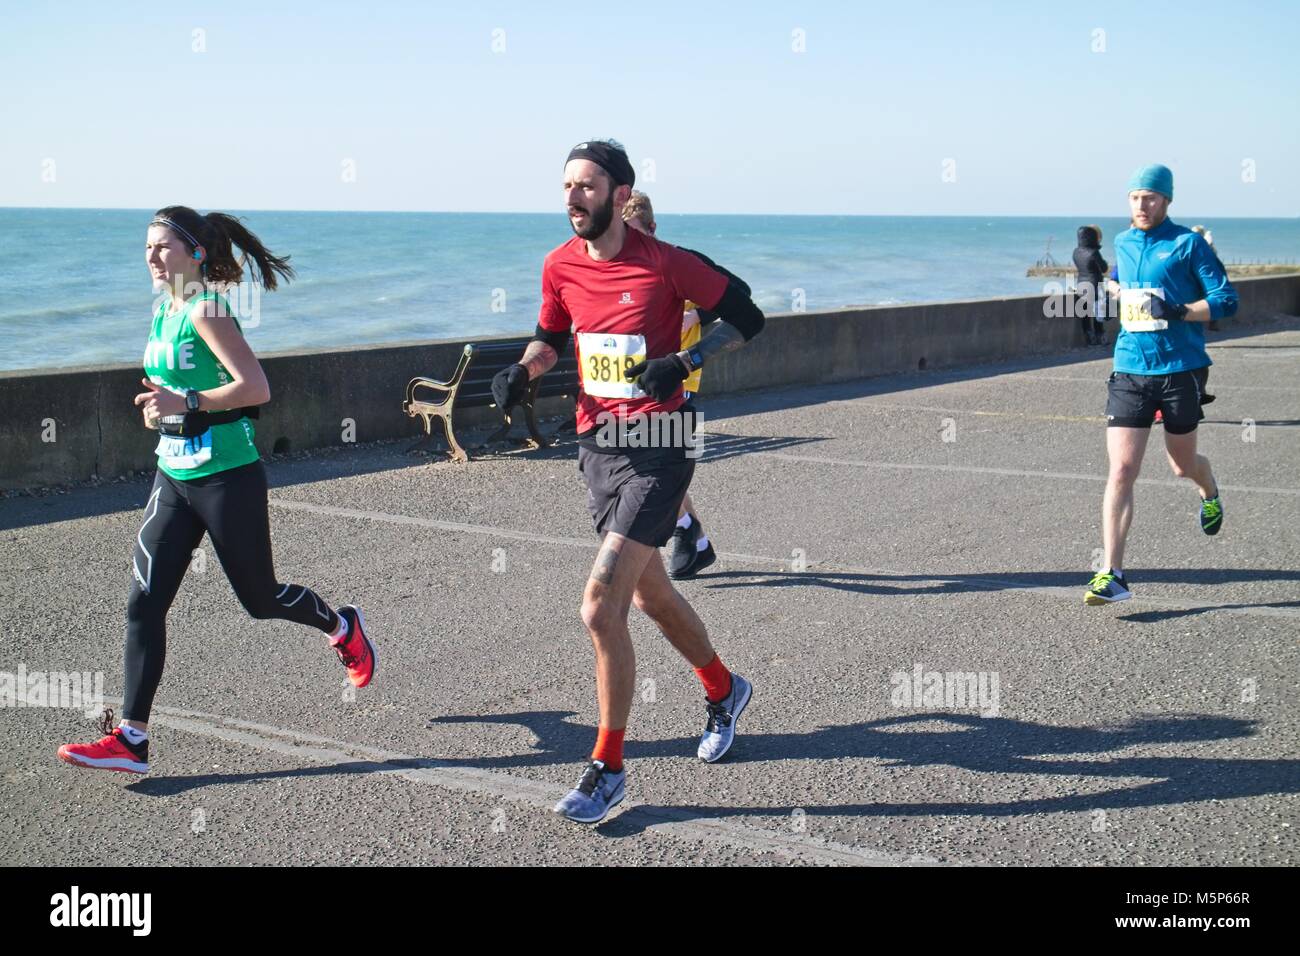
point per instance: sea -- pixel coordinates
(75, 290)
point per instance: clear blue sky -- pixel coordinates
(733, 119)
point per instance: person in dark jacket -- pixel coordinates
(1092, 270)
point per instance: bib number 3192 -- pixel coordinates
(606, 357)
(1135, 310)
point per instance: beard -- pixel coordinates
(598, 220)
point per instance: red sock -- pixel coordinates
(716, 679)
(609, 748)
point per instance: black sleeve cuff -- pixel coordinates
(556, 340)
(735, 308)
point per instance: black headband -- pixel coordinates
(613, 161)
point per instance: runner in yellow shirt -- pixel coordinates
(691, 549)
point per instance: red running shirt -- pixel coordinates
(621, 311)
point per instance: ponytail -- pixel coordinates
(222, 266)
(219, 233)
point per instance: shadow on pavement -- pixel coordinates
(987, 745)
(716, 447)
(914, 584)
(1152, 617)
(1004, 746)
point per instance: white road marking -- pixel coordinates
(1011, 472)
(590, 544)
(679, 824)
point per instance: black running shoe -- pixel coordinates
(686, 559)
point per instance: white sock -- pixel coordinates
(1118, 572)
(341, 631)
(702, 543)
(684, 521)
(132, 734)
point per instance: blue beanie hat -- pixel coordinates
(1157, 178)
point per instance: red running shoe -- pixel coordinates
(112, 752)
(356, 650)
(1160, 418)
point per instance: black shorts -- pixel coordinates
(1133, 399)
(636, 492)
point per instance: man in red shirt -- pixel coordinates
(621, 293)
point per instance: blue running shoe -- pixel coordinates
(1106, 588)
(1211, 515)
(720, 730)
(598, 791)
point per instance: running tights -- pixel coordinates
(231, 507)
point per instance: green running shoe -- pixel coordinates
(1106, 588)
(1211, 515)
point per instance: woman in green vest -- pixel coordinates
(203, 383)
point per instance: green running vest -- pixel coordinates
(177, 358)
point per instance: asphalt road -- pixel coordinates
(940, 520)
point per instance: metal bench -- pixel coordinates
(470, 386)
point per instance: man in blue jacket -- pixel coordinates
(1170, 285)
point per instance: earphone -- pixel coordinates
(197, 254)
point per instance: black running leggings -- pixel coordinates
(231, 507)
(1090, 310)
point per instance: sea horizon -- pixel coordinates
(560, 212)
(370, 278)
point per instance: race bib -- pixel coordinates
(606, 357)
(185, 453)
(1135, 310)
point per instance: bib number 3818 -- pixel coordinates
(606, 357)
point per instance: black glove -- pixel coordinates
(509, 386)
(659, 377)
(1160, 309)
